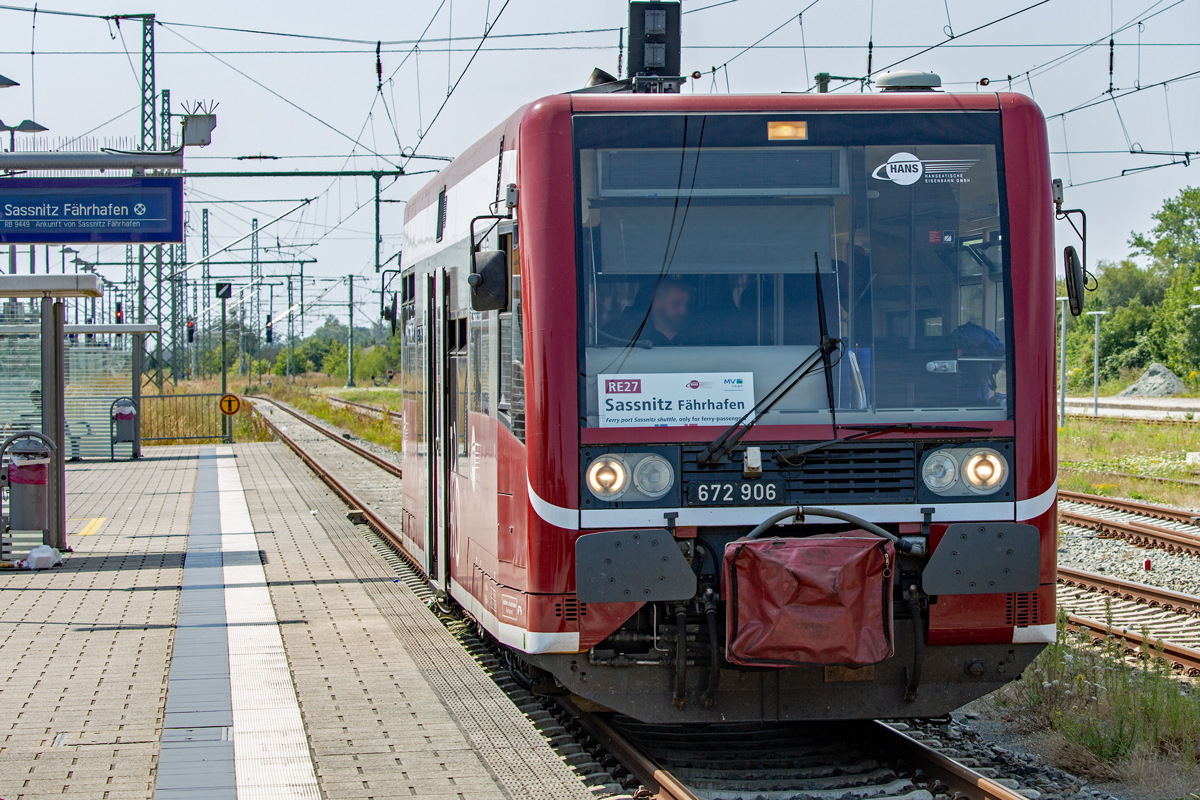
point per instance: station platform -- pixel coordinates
(222, 631)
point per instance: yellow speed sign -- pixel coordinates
(230, 404)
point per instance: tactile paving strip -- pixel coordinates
(389, 698)
(196, 757)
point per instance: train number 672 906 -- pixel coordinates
(719, 493)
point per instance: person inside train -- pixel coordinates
(664, 324)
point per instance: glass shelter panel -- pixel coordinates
(99, 369)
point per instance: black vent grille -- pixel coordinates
(844, 473)
(1022, 609)
(570, 609)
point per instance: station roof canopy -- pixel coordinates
(34, 330)
(50, 286)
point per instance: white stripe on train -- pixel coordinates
(573, 519)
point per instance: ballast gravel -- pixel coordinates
(1083, 549)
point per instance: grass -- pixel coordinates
(1094, 448)
(384, 432)
(1108, 719)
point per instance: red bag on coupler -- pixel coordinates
(817, 600)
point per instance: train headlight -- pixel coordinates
(984, 471)
(608, 477)
(653, 476)
(939, 472)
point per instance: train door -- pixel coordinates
(447, 395)
(443, 332)
(433, 326)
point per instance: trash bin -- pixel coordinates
(123, 421)
(28, 489)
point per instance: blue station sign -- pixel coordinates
(91, 210)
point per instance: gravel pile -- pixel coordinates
(1085, 550)
(1025, 773)
(1156, 381)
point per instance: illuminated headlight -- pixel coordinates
(652, 476)
(984, 471)
(940, 472)
(608, 477)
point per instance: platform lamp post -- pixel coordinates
(1194, 306)
(86, 266)
(350, 340)
(26, 126)
(8, 83)
(63, 254)
(1096, 364)
(1062, 365)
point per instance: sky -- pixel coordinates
(298, 81)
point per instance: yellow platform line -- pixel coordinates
(92, 526)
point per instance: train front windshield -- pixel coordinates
(709, 244)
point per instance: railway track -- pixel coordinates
(378, 461)
(1141, 524)
(1144, 617)
(339, 488)
(1127, 420)
(784, 761)
(772, 762)
(374, 411)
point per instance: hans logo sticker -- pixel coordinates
(906, 169)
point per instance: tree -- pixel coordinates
(1174, 241)
(1174, 338)
(1173, 247)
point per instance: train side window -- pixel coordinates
(517, 407)
(511, 352)
(441, 214)
(412, 380)
(457, 387)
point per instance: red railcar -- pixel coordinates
(657, 267)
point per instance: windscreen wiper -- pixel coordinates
(867, 431)
(729, 439)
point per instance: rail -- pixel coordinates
(1126, 420)
(1138, 533)
(378, 461)
(385, 413)
(917, 756)
(1122, 617)
(1133, 507)
(1153, 596)
(1184, 658)
(341, 490)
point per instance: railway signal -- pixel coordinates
(270, 330)
(191, 329)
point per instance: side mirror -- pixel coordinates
(489, 281)
(1074, 280)
(390, 314)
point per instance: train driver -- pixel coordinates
(668, 313)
